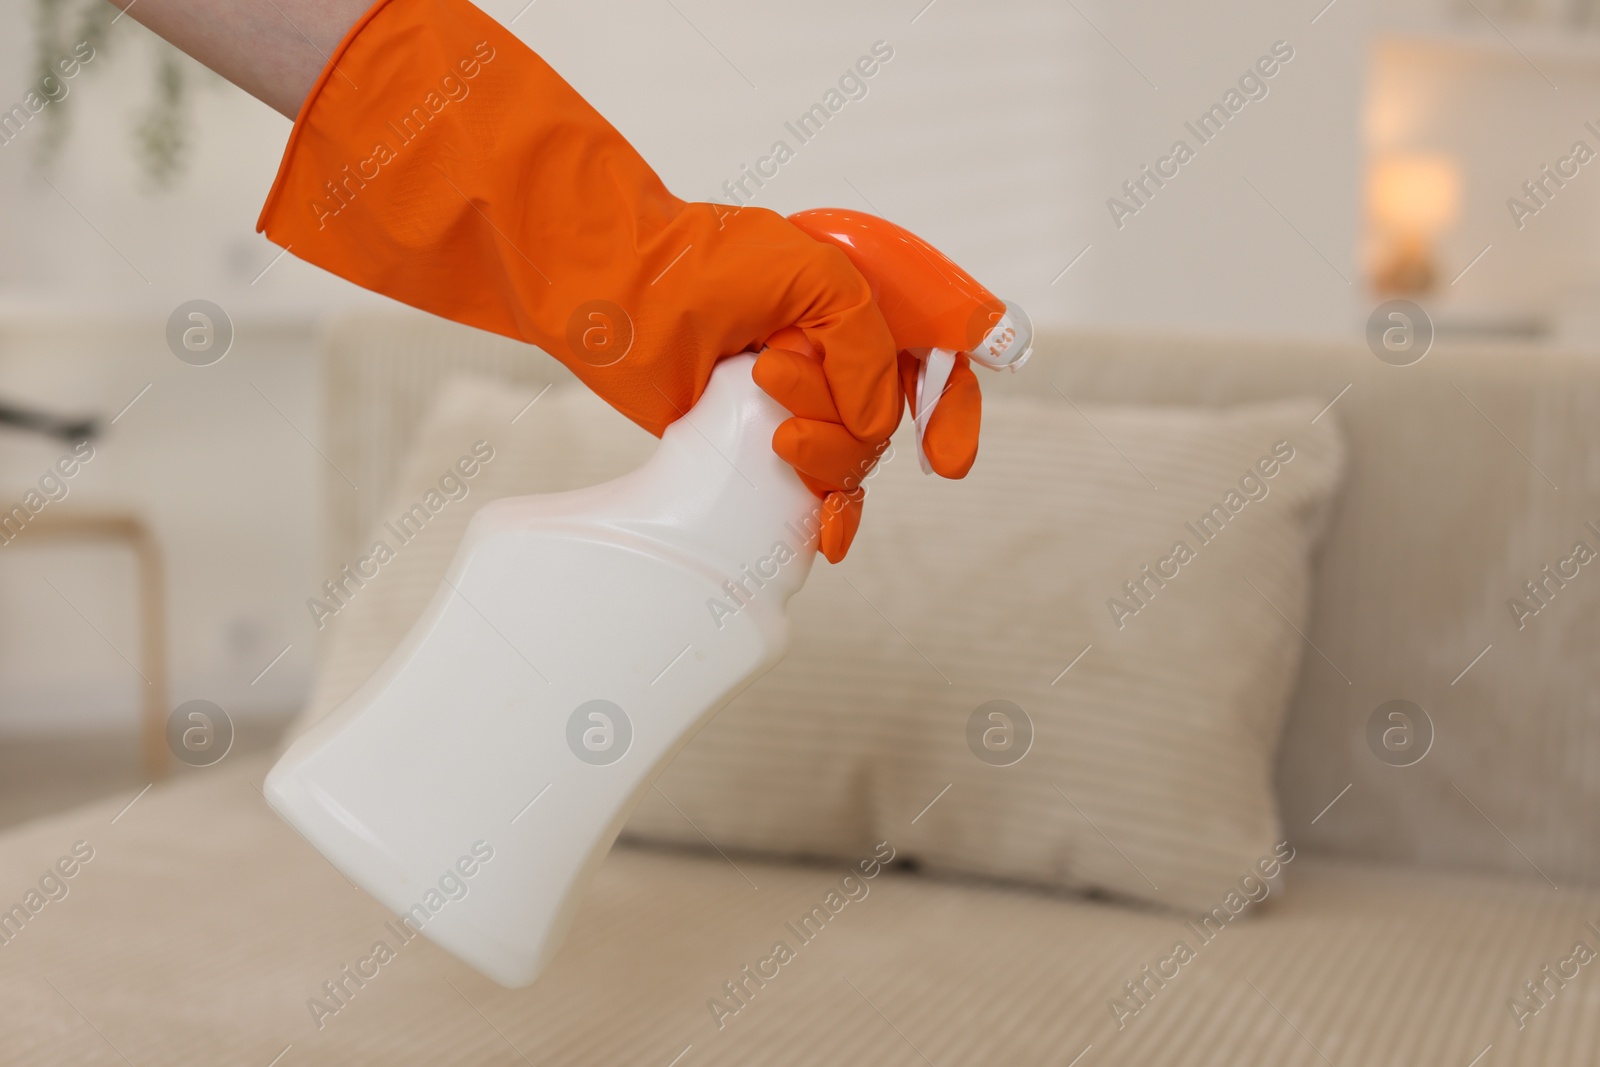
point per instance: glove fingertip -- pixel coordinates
(786, 439)
(775, 373)
(952, 462)
(951, 442)
(832, 546)
(841, 517)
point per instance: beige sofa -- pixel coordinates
(1422, 901)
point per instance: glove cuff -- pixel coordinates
(439, 161)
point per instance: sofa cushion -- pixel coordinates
(1070, 668)
(999, 675)
(203, 927)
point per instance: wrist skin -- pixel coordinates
(272, 49)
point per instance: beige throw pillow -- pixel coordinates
(1131, 579)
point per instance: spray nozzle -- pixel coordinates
(1009, 342)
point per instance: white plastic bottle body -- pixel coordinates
(578, 641)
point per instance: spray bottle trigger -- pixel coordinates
(932, 376)
(1005, 346)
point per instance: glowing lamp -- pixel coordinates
(1413, 199)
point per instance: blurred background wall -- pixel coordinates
(999, 131)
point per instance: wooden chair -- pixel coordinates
(51, 528)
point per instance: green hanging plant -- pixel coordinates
(162, 128)
(161, 134)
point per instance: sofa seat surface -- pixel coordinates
(203, 926)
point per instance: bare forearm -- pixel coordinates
(272, 49)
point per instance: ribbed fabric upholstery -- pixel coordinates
(1467, 473)
(202, 926)
(1149, 775)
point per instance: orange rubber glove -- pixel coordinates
(830, 459)
(440, 162)
(929, 302)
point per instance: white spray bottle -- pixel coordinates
(475, 782)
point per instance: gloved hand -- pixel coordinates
(929, 302)
(440, 162)
(831, 460)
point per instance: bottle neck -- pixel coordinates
(715, 489)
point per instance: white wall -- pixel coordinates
(999, 130)
(1209, 251)
(966, 136)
